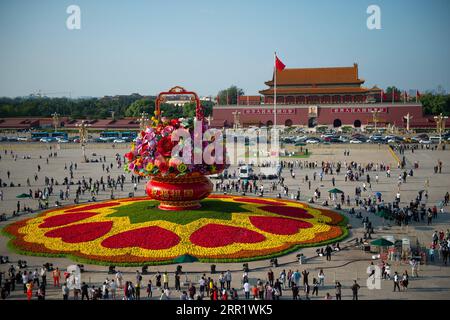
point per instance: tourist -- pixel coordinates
(247, 290)
(228, 279)
(149, 289)
(158, 280)
(328, 251)
(65, 291)
(396, 281)
(29, 287)
(414, 266)
(166, 280)
(321, 277)
(56, 277)
(315, 287)
(294, 291)
(255, 292)
(84, 291)
(338, 288)
(405, 280)
(355, 288)
(270, 277)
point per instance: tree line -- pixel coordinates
(93, 108)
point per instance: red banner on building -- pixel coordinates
(358, 110)
(268, 111)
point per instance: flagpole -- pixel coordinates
(275, 91)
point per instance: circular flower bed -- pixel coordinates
(136, 232)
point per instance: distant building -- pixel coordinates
(322, 96)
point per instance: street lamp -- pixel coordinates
(440, 125)
(55, 117)
(143, 121)
(83, 131)
(236, 123)
(375, 114)
(408, 119)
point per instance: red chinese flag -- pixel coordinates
(418, 94)
(278, 64)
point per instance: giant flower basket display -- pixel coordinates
(135, 231)
(170, 153)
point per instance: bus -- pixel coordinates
(107, 136)
(62, 135)
(129, 135)
(36, 136)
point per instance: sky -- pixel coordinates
(149, 46)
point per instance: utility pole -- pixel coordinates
(236, 123)
(55, 117)
(143, 121)
(375, 118)
(83, 131)
(408, 119)
(440, 125)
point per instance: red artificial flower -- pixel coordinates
(175, 123)
(165, 146)
(163, 167)
(129, 156)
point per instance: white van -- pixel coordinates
(246, 172)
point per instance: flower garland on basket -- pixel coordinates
(151, 154)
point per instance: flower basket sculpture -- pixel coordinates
(170, 152)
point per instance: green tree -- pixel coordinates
(434, 104)
(137, 107)
(230, 95)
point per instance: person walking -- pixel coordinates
(166, 280)
(65, 291)
(84, 291)
(29, 286)
(149, 289)
(228, 279)
(414, 266)
(270, 277)
(56, 277)
(305, 274)
(113, 288)
(355, 288)
(396, 281)
(247, 290)
(294, 291)
(321, 277)
(315, 287)
(328, 251)
(405, 280)
(338, 288)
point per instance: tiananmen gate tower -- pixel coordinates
(322, 96)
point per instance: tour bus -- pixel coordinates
(108, 136)
(37, 136)
(59, 135)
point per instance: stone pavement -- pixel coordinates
(349, 264)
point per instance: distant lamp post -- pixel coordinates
(83, 132)
(408, 121)
(55, 117)
(208, 119)
(236, 115)
(440, 125)
(143, 121)
(375, 119)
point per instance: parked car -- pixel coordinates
(119, 141)
(425, 141)
(355, 141)
(312, 141)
